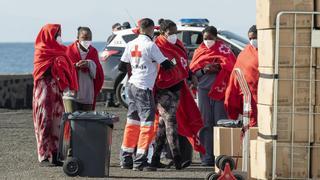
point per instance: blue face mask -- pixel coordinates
(254, 42)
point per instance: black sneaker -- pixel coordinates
(185, 164)
(112, 104)
(126, 166)
(142, 167)
(55, 160)
(139, 168)
(58, 163)
(162, 166)
(179, 164)
(171, 163)
(150, 168)
(155, 163)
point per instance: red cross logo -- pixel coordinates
(136, 53)
(224, 49)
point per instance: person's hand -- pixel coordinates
(212, 68)
(194, 82)
(216, 67)
(208, 69)
(82, 64)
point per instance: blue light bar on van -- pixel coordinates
(194, 22)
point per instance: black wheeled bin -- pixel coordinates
(88, 152)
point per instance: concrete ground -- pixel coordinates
(18, 157)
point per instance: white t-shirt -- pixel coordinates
(143, 55)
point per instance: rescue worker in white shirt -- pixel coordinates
(143, 56)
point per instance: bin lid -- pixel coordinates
(229, 123)
(103, 116)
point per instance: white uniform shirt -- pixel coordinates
(143, 55)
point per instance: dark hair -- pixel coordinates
(165, 24)
(253, 29)
(80, 28)
(126, 25)
(115, 25)
(146, 23)
(210, 29)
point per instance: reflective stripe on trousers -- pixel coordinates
(138, 135)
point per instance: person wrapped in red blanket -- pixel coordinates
(211, 66)
(53, 73)
(89, 71)
(178, 112)
(89, 77)
(247, 62)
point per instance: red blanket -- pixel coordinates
(188, 115)
(74, 54)
(177, 54)
(218, 53)
(50, 54)
(189, 118)
(247, 62)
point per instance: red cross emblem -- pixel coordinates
(224, 49)
(136, 53)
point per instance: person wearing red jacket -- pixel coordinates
(247, 62)
(211, 64)
(89, 71)
(168, 93)
(53, 73)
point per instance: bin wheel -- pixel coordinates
(209, 175)
(72, 166)
(224, 160)
(218, 160)
(214, 176)
(239, 177)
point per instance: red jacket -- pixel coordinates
(188, 115)
(74, 54)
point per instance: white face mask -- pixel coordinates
(254, 43)
(59, 40)
(85, 44)
(209, 43)
(172, 38)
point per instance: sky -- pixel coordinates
(21, 20)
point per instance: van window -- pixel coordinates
(192, 38)
(129, 37)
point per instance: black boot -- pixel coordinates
(179, 164)
(154, 163)
(55, 160)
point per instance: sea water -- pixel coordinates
(17, 58)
